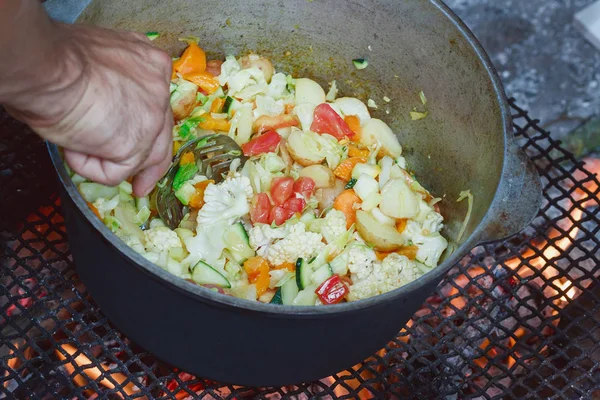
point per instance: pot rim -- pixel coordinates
(205, 295)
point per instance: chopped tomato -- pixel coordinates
(281, 189)
(332, 291)
(326, 120)
(279, 215)
(265, 143)
(295, 204)
(267, 122)
(305, 186)
(260, 208)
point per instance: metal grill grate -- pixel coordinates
(518, 319)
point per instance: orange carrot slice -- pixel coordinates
(197, 199)
(354, 151)
(187, 158)
(191, 61)
(204, 80)
(409, 252)
(345, 203)
(344, 169)
(354, 124)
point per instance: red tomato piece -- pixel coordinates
(260, 209)
(295, 204)
(265, 143)
(305, 186)
(326, 120)
(267, 122)
(282, 189)
(279, 215)
(332, 291)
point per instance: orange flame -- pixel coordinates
(93, 372)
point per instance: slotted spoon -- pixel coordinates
(214, 154)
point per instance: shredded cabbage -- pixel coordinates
(465, 194)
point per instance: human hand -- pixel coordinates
(108, 106)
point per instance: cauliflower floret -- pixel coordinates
(360, 260)
(431, 220)
(132, 241)
(161, 239)
(297, 244)
(393, 272)
(334, 225)
(431, 249)
(227, 201)
(262, 236)
(431, 245)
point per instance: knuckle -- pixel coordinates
(160, 57)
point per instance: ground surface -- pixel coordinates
(544, 62)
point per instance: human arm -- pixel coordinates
(102, 95)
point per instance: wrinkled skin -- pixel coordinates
(107, 105)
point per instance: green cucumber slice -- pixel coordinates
(277, 299)
(289, 291)
(303, 273)
(238, 243)
(322, 274)
(204, 274)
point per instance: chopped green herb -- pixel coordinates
(184, 173)
(152, 35)
(350, 184)
(185, 130)
(201, 98)
(360, 63)
(204, 141)
(423, 98)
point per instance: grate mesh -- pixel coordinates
(518, 319)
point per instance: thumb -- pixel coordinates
(96, 169)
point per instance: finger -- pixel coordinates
(162, 145)
(96, 169)
(161, 156)
(144, 182)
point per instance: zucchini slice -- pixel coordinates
(204, 274)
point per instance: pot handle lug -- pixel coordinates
(517, 202)
(66, 11)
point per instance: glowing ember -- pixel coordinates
(109, 379)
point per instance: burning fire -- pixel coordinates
(500, 283)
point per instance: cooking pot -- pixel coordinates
(465, 142)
